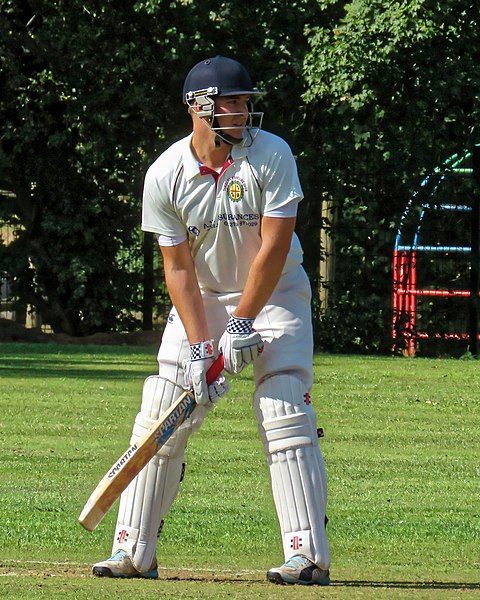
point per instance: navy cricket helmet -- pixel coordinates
(218, 76)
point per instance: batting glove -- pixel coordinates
(195, 369)
(240, 344)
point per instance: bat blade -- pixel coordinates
(129, 465)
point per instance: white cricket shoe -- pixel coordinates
(120, 565)
(299, 569)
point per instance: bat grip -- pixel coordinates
(215, 370)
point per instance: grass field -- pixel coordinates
(402, 442)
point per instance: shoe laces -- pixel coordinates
(119, 555)
(298, 561)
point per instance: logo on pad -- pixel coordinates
(296, 542)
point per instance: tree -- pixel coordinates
(90, 95)
(393, 90)
(68, 125)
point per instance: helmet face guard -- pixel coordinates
(221, 76)
(205, 110)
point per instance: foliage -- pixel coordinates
(91, 94)
(67, 132)
(370, 96)
(398, 83)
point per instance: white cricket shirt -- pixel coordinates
(222, 220)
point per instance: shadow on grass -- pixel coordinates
(76, 369)
(112, 373)
(409, 585)
(247, 577)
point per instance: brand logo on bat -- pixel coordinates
(130, 452)
(177, 417)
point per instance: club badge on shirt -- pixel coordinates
(235, 188)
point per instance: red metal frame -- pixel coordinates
(404, 299)
(405, 292)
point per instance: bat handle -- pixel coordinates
(215, 370)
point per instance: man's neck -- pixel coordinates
(208, 153)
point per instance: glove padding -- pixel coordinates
(240, 344)
(195, 369)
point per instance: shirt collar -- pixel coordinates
(190, 163)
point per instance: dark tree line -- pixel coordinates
(370, 97)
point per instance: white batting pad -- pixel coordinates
(150, 495)
(287, 425)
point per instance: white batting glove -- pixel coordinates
(201, 359)
(240, 344)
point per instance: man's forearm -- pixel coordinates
(262, 280)
(267, 267)
(188, 301)
(184, 291)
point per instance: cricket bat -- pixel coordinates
(131, 462)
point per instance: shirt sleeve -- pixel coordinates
(158, 213)
(281, 184)
(285, 211)
(165, 240)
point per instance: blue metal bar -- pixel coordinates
(459, 207)
(420, 248)
(463, 171)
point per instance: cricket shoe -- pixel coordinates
(299, 569)
(120, 565)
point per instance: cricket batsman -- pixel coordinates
(222, 203)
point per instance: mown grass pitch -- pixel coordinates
(402, 441)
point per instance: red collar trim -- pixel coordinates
(204, 170)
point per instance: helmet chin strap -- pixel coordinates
(227, 139)
(221, 136)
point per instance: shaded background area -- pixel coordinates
(372, 100)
